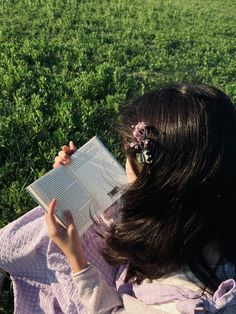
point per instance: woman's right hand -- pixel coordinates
(63, 157)
(67, 239)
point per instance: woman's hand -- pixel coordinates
(63, 157)
(68, 240)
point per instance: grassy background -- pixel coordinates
(65, 66)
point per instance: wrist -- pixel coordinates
(77, 263)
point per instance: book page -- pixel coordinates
(70, 195)
(99, 172)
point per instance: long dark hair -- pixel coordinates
(185, 200)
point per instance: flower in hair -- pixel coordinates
(143, 143)
(139, 131)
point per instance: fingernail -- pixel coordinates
(68, 217)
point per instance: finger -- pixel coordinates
(69, 150)
(54, 227)
(71, 228)
(72, 147)
(66, 149)
(60, 161)
(68, 218)
(63, 155)
(72, 231)
(51, 220)
(56, 165)
(51, 211)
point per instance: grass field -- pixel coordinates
(66, 66)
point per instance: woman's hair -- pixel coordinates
(185, 199)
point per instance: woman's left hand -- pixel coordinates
(63, 157)
(68, 240)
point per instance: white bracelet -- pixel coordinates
(81, 271)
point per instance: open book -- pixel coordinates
(87, 186)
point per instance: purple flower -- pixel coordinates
(139, 131)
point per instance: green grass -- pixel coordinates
(66, 66)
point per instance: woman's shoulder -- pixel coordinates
(181, 292)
